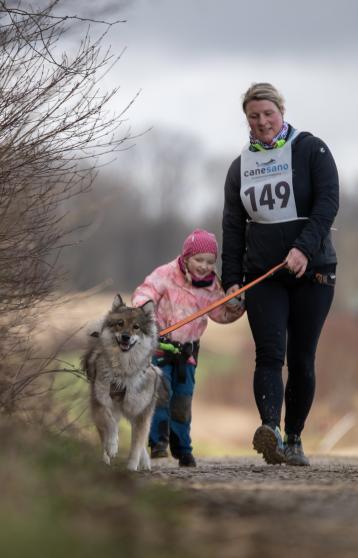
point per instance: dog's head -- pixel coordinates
(128, 326)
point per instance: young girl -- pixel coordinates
(178, 289)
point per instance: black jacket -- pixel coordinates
(255, 247)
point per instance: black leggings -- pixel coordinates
(285, 311)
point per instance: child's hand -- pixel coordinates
(233, 302)
(235, 306)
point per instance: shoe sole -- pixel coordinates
(297, 462)
(265, 442)
(159, 455)
(291, 464)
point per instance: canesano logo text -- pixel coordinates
(266, 168)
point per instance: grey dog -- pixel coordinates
(123, 380)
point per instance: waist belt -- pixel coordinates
(177, 354)
(325, 278)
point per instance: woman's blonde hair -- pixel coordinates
(263, 92)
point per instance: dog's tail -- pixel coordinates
(88, 360)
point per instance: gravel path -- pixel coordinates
(250, 509)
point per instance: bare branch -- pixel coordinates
(55, 129)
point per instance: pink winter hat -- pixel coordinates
(199, 242)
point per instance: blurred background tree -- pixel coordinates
(164, 187)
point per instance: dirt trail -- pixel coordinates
(241, 507)
(251, 509)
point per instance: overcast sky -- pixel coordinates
(193, 59)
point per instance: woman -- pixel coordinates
(281, 198)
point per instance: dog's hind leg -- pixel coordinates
(138, 455)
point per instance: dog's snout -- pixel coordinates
(125, 337)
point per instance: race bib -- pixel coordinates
(266, 184)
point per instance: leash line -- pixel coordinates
(221, 301)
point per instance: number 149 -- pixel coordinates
(267, 197)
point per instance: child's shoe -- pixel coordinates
(293, 450)
(268, 441)
(187, 460)
(158, 451)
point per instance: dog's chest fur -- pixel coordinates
(131, 379)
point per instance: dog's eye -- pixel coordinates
(120, 323)
(135, 326)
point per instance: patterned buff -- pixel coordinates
(278, 141)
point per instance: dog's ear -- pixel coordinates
(117, 303)
(148, 308)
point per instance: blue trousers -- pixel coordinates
(172, 417)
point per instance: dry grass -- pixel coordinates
(224, 411)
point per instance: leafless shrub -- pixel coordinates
(54, 128)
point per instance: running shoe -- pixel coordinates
(268, 441)
(158, 451)
(293, 450)
(187, 460)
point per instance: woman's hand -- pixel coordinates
(296, 262)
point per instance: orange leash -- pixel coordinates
(221, 301)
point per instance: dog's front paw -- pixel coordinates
(132, 465)
(106, 459)
(144, 462)
(112, 448)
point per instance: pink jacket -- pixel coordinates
(175, 299)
